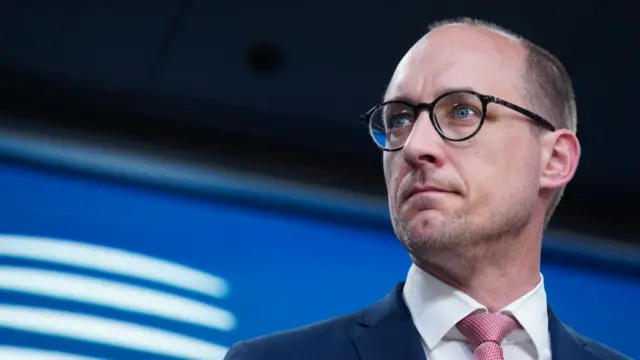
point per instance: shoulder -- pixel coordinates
(599, 350)
(321, 340)
(329, 339)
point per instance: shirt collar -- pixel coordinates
(437, 307)
(531, 312)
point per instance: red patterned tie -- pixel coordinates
(486, 331)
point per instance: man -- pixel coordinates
(478, 132)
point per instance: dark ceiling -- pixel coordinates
(278, 87)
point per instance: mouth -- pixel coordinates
(418, 190)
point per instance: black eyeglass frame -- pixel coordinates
(485, 100)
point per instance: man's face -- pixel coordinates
(489, 184)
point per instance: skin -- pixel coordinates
(483, 233)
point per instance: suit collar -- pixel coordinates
(565, 343)
(385, 331)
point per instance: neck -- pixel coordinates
(495, 276)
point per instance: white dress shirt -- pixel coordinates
(436, 308)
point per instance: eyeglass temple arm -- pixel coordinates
(533, 116)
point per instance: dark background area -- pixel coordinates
(277, 88)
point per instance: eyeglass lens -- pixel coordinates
(456, 116)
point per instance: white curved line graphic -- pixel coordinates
(112, 260)
(113, 294)
(109, 332)
(20, 353)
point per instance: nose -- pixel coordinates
(424, 145)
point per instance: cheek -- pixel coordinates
(498, 176)
(394, 172)
(483, 185)
(487, 175)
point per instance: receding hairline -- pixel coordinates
(477, 23)
(474, 24)
(537, 59)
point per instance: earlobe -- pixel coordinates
(561, 160)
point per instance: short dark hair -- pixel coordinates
(547, 85)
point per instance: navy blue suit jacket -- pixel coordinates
(385, 331)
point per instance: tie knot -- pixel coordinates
(483, 327)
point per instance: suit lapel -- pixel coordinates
(564, 344)
(386, 331)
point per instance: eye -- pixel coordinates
(399, 121)
(463, 112)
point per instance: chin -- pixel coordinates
(428, 231)
(425, 219)
(426, 224)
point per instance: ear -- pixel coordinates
(561, 154)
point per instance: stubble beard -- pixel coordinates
(458, 237)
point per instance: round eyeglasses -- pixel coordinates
(456, 116)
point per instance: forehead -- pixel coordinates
(459, 56)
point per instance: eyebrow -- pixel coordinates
(440, 92)
(452, 89)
